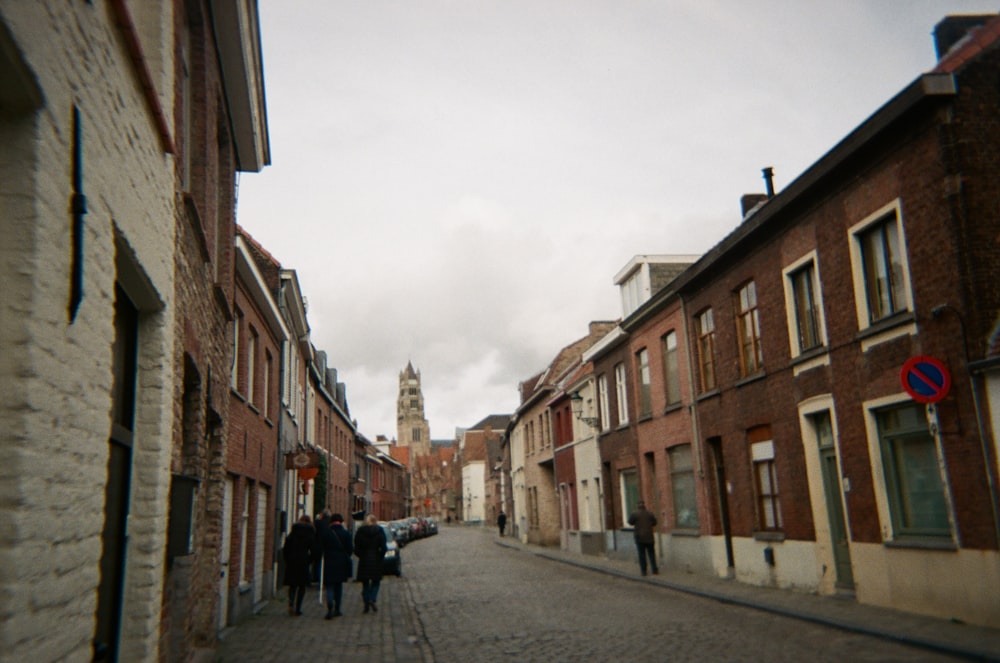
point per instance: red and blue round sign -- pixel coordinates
(925, 379)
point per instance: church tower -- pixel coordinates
(412, 429)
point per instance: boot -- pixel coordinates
(329, 612)
(367, 606)
(374, 608)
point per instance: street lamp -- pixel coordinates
(576, 402)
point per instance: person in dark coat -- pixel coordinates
(644, 523)
(502, 522)
(370, 546)
(337, 562)
(298, 553)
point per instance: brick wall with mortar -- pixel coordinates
(252, 444)
(670, 423)
(57, 375)
(203, 313)
(617, 442)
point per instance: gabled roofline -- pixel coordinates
(246, 268)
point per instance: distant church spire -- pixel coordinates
(412, 429)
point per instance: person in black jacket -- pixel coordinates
(337, 563)
(298, 553)
(370, 546)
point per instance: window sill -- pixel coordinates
(759, 375)
(686, 532)
(645, 417)
(923, 543)
(769, 536)
(810, 354)
(237, 394)
(623, 426)
(886, 324)
(673, 407)
(253, 407)
(709, 394)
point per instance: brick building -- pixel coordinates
(801, 456)
(248, 542)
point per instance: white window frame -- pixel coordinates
(604, 401)
(621, 388)
(251, 363)
(854, 234)
(645, 382)
(671, 368)
(880, 484)
(791, 310)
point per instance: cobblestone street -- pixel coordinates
(463, 597)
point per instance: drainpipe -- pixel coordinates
(937, 312)
(693, 408)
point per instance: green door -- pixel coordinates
(838, 524)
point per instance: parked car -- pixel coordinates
(432, 526)
(416, 527)
(400, 531)
(392, 563)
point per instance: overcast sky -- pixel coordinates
(456, 182)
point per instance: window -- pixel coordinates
(883, 269)
(251, 364)
(645, 402)
(671, 372)
(682, 487)
(603, 401)
(879, 263)
(266, 387)
(912, 466)
(630, 492)
(706, 350)
(234, 376)
(622, 393)
(748, 329)
(416, 434)
(803, 304)
(766, 485)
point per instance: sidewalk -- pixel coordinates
(972, 642)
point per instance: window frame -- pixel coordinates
(767, 498)
(603, 400)
(857, 234)
(889, 486)
(793, 312)
(748, 333)
(621, 389)
(644, 381)
(708, 377)
(683, 486)
(671, 369)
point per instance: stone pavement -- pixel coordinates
(391, 635)
(395, 634)
(940, 635)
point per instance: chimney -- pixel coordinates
(749, 202)
(953, 29)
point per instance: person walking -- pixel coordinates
(502, 521)
(644, 523)
(369, 547)
(337, 562)
(298, 553)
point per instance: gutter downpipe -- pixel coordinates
(693, 407)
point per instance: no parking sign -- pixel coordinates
(925, 379)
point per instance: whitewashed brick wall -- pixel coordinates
(55, 377)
